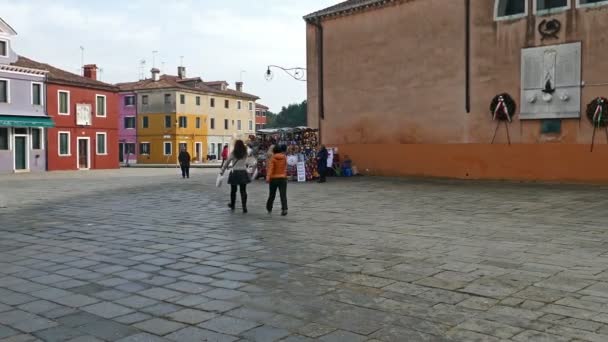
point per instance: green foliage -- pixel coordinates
(291, 116)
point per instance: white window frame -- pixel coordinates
(239, 105)
(41, 138)
(598, 4)
(59, 143)
(145, 97)
(130, 96)
(552, 10)
(135, 120)
(165, 148)
(197, 122)
(41, 93)
(149, 148)
(59, 102)
(239, 125)
(105, 106)
(105, 143)
(8, 48)
(510, 17)
(8, 90)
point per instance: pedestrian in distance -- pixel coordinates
(276, 176)
(238, 177)
(322, 163)
(224, 155)
(184, 162)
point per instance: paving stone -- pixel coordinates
(159, 326)
(159, 293)
(107, 330)
(223, 294)
(112, 281)
(136, 302)
(21, 338)
(161, 309)
(188, 287)
(69, 284)
(39, 306)
(237, 276)
(204, 270)
(197, 279)
(143, 337)
(130, 287)
(7, 332)
(50, 279)
(50, 293)
(490, 328)
(265, 333)
(564, 284)
(58, 334)
(192, 334)
(228, 325)
(219, 306)
(228, 284)
(107, 310)
(85, 339)
(77, 319)
(132, 318)
(75, 301)
(111, 295)
(190, 300)
(344, 336)
(159, 280)
(536, 336)
(191, 316)
(315, 330)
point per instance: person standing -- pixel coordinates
(322, 156)
(224, 155)
(184, 162)
(276, 176)
(238, 178)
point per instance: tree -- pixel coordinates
(291, 116)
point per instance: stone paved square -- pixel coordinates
(141, 255)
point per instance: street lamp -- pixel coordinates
(296, 73)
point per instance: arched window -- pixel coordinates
(510, 9)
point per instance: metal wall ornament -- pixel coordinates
(549, 29)
(502, 109)
(296, 73)
(597, 112)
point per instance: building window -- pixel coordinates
(101, 106)
(3, 138)
(130, 122)
(550, 6)
(238, 105)
(36, 139)
(198, 100)
(145, 122)
(250, 125)
(591, 3)
(226, 103)
(64, 143)
(167, 121)
(144, 148)
(198, 122)
(238, 124)
(3, 48)
(4, 91)
(144, 99)
(130, 148)
(167, 98)
(226, 124)
(37, 94)
(510, 9)
(212, 123)
(64, 102)
(183, 122)
(168, 148)
(130, 100)
(212, 102)
(102, 144)
(182, 99)
(250, 106)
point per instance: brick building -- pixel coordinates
(404, 87)
(260, 116)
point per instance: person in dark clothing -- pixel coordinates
(184, 162)
(238, 178)
(276, 176)
(322, 163)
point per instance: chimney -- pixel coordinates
(239, 86)
(155, 74)
(90, 71)
(181, 72)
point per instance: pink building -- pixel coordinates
(127, 134)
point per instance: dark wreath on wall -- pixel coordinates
(502, 109)
(597, 113)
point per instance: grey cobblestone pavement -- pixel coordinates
(142, 255)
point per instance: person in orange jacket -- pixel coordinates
(276, 176)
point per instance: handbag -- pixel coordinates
(219, 180)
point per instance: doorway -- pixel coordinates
(83, 154)
(121, 153)
(198, 151)
(21, 153)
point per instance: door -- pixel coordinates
(20, 153)
(121, 152)
(83, 154)
(197, 151)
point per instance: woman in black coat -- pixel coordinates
(184, 162)
(322, 163)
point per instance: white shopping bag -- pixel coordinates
(219, 180)
(254, 176)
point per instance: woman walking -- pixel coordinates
(238, 178)
(276, 176)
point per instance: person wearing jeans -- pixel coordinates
(276, 176)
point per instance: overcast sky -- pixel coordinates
(218, 39)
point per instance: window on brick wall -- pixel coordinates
(544, 6)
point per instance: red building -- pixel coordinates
(260, 116)
(85, 112)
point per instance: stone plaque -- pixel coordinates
(83, 114)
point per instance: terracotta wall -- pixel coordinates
(394, 78)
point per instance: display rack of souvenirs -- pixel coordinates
(301, 142)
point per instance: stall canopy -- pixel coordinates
(25, 121)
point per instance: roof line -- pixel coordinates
(346, 8)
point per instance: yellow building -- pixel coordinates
(175, 112)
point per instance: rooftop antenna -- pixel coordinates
(181, 60)
(241, 76)
(142, 67)
(154, 58)
(82, 60)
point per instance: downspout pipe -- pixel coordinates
(467, 55)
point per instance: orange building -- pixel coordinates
(405, 87)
